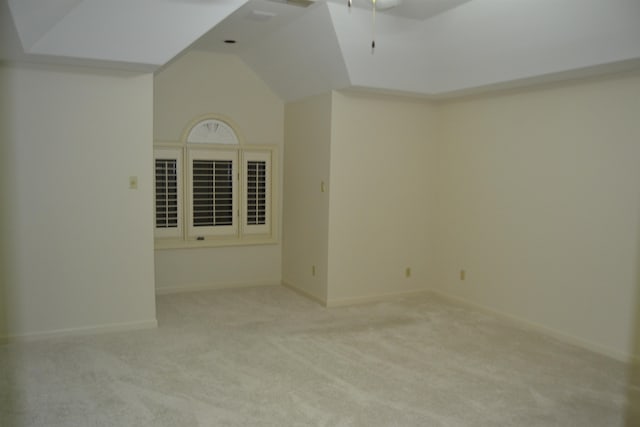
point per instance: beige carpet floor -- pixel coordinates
(269, 357)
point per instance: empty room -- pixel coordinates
(320, 213)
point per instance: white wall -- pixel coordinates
(199, 83)
(306, 207)
(382, 200)
(539, 200)
(534, 193)
(77, 244)
(377, 158)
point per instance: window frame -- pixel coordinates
(241, 233)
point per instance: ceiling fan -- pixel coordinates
(378, 4)
(375, 5)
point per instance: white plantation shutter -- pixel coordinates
(256, 192)
(212, 193)
(215, 193)
(213, 209)
(168, 218)
(166, 193)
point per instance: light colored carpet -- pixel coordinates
(268, 357)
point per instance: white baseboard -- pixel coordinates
(304, 293)
(200, 287)
(85, 330)
(341, 302)
(545, 330)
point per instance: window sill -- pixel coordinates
(163, 244)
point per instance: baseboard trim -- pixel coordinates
(342, 302)
(304, 293)
(202, 287)
(545, 330)
(88, 330)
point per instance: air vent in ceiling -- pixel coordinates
(260, 15)
(298, 3)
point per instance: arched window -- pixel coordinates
(212, 189)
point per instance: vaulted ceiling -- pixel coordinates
(433, 48)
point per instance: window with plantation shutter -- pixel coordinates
(166, 193)
(213, 193)
(210, 190)
(257, 192)
(167, 176)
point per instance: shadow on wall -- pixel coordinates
(632, 415)
(4, 203)
(8, 378)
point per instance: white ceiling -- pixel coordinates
(426, 47)
(122, 33)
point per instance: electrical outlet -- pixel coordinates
(407, 272)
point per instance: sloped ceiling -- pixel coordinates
(302, 58)
(489, 42)
(430, 48)
(140, 32)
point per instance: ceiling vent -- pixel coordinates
(260, 15)
(298, 3)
